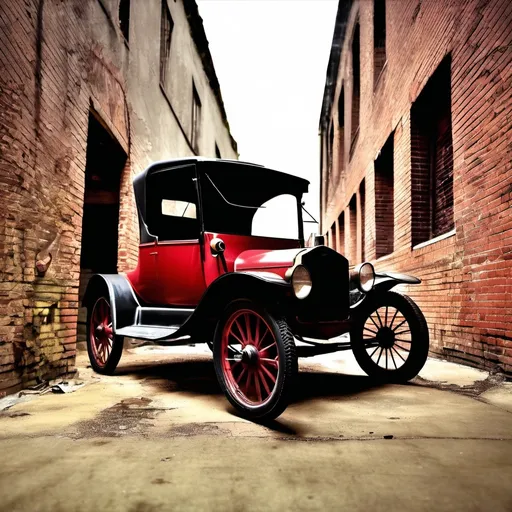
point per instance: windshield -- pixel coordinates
(242, 201)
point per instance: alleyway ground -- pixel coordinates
(160, 436)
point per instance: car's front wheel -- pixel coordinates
(103, 346)
(255, 360)
(390, 337)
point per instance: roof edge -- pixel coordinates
(201, 41)
(333, 66)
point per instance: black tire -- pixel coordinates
(370, 337)
(105, 365)
(281, 349)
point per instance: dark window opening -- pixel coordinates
(352, 208)
(379, 37)
(166, 29)
(104, 163)
(384, 200)
(331, 145)
(341, 124)
(334, 242)
(432, 158)
(124, 18)
(362, 230)
(196, 119)
(341, 233)
(356, 69)
(217, 152)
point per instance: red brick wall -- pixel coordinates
(53, 73)
(466, 293)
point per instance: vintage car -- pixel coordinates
(217, 266)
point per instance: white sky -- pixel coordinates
(271, 61)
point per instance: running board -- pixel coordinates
(147, 332)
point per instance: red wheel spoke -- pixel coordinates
(269, 373)
(240, 330)
(267, 347)
(239, 378)
(271, 362)
(248, 331)
(257, 340)
(248, 382)
(257, 383)
(264, 382)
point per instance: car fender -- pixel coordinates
(117, 288)
(268, 289)
(384, 282)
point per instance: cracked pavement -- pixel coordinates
(160, 436)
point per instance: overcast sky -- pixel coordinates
(271, 60)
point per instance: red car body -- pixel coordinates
(206, 273)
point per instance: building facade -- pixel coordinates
(91, 92)
(416, 165)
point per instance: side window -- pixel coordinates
(172, 205)
(277, 218)
(175, 208)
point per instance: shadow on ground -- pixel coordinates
(198, 377)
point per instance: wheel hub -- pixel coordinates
(386, 337)
(250, 355)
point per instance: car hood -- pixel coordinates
(276, 261)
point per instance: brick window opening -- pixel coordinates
(356, 68)
(379, 38)
(217, 151)
(384, 200)
(196, 119)
(352, 209)
(124, 18)
(331, 145)
(362, 230)
(341, 233)
(333, 237)
(166, 29)
(432, 158)
(341, 125)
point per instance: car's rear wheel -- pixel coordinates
(255, 360)
(103, 346)
(390, 338)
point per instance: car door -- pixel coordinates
(176, 255)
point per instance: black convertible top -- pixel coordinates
(240, 182)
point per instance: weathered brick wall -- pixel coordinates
(466, 293)
(53, 72)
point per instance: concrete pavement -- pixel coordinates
(159, 436)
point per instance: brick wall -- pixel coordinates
(466, 293)
(59, 61)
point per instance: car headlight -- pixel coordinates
(366, 277)
(301, 282)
